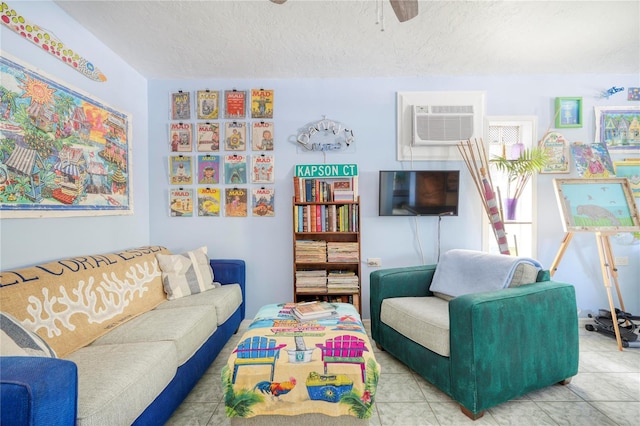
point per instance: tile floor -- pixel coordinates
(606, 391)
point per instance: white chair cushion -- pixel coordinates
(425, 320)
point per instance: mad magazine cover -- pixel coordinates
(180, 105)
(208, 169)
(262, 136)
(262, 202)
(235, 136)
(235, 202)
(180, 137)
(262, 168)
(208, 201)
(235, 104)
(181, 202)
(180, 170)
(235, 169)
(592, 160)
(261, 103)
(208, 137)
(207, 104)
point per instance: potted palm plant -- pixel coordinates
(519, 172)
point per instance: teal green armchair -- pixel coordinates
(503, 343)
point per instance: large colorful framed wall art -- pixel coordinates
(62, 152)
(618, 128)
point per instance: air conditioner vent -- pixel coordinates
(442, 124)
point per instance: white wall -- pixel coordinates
(29, 241)
(368, 106)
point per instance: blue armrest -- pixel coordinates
(230, 271)
(37, 391)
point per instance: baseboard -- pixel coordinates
(584, 321)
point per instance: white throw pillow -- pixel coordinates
(186, 274)
(15, 340)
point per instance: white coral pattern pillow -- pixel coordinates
(186, 274)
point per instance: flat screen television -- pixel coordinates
(419, 192)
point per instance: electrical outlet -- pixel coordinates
(374, 262)
(621, 261)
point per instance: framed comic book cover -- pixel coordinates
(262, 135)
(180, 105)
(262, 168)
(207, 104)
(208, 169)
(262, 202)
(208, 137)
(235, 136)
(235, 202)
(235, 104)
(208, 201)
(180, 135)
(261, 103)
(235, 169)
(181, 202)
(63, 152)
(180, 170)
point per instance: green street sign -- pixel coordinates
(326, 170)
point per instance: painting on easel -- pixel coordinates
(597, 205)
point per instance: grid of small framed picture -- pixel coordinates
(221, 142)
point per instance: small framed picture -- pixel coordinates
(568, 112)
(557, 149)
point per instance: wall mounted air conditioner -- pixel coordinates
(442, 124)
(430, 124)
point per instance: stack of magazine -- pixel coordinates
(309, 311)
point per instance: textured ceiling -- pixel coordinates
(363, 38)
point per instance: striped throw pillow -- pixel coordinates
(15, 340)
(185, 274)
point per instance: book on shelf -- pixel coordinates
(325, 190)
(308, 311)
(326, 218)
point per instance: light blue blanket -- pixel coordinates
(467, 271)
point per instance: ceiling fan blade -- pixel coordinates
(404, 9)
(277, 1)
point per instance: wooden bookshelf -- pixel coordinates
(326, 240)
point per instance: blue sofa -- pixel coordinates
(44, 391)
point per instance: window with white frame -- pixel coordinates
(508, 136)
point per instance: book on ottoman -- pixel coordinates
(309, 311)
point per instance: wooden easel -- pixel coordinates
(609, 273)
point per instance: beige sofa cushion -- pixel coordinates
(187, 328)
(224, 299)
(425, 320)
(117, 382)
